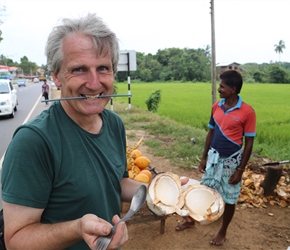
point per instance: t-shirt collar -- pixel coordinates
(237, 106)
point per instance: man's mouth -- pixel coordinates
(91, 96)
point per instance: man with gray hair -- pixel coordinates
(65, 172)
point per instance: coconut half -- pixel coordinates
(201, 203)
(205, 205)
(164, 195)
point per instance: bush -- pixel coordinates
(153, 101)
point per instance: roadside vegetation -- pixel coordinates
(184, 110)
(167, 138)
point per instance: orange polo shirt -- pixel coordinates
(230, 126)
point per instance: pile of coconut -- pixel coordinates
(256, 180)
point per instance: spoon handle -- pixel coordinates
(137, 202)
(127, 216)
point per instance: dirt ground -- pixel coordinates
(251, 228)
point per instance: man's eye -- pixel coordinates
(77, 69)
(104, 70)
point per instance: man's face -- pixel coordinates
(225, 90)
(84, 73)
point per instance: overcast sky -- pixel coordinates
(246, 30)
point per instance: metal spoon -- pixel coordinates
(83, 97)
(136, 203)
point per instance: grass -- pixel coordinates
(184, 112)
(189, 104)
(169, 139)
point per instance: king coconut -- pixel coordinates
(166, 196)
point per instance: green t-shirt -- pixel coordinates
(54, 164)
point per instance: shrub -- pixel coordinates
(153, 101)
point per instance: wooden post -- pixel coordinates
(272, 178)
(213, 54)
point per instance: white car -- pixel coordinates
(8, 98)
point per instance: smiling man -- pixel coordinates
(64, 173)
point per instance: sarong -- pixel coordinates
(218, 172)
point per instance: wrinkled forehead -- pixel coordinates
(86, 42)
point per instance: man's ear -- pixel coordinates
(56, 79)
(234, 89)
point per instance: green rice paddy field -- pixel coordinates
(190, 104)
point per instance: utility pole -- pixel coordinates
(213, 60)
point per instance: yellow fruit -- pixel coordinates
(136, 153)
(148, 173)
(142, 162)
(142, 178)
(130, 163)
(131, 174)
(136, 170)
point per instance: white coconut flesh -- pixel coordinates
(165, 196)
(200, 200)
(205, 205)
(167, 191)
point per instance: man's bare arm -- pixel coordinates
(23, 229)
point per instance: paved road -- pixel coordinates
(30, 105)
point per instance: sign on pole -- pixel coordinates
(127, 62)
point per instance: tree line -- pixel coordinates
(194, 65)
(175, 64)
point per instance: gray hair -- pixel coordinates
(91, 25)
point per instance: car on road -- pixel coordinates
(8, 98)
(21, 82)
(35, 80)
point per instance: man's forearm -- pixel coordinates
(249, 141)
(207, 144)
(45, 236)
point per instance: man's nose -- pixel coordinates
(93, 79)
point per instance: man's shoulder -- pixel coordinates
(247, 107)
(45, 119)
(49, 125)
(216, 104)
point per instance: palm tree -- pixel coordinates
(279, 47)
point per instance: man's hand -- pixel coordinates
(236, 177)
(202, 166)
(92, 227)
(121, 235)
(184, 180)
